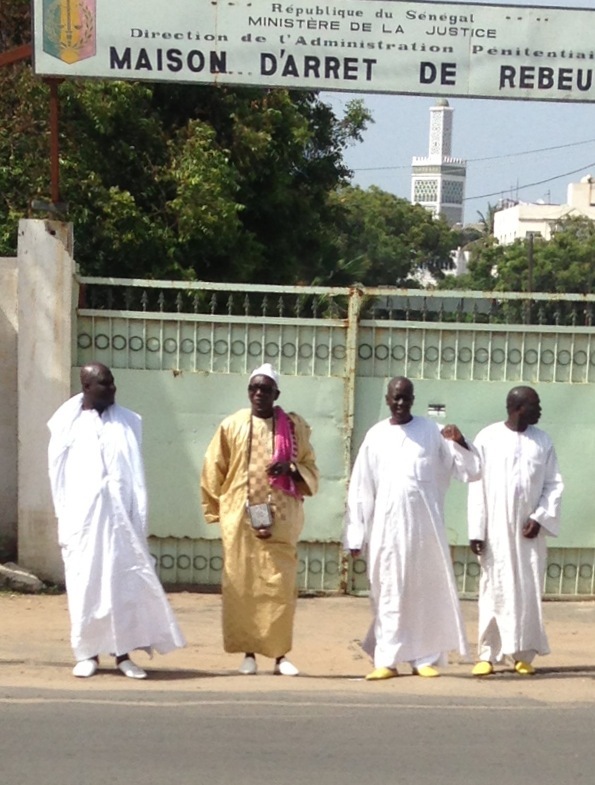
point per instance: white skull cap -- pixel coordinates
(266, 370)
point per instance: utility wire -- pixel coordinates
(487, 158)
(530, 185)
(530, 152)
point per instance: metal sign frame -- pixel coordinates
(386, 46)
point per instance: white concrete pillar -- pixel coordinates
(8, 407)
(45, 307)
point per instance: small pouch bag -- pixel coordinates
(261, 515)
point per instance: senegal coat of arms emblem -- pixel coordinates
(69, 29)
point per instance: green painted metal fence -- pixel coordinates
(181, 354)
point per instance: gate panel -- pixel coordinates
(181, 354)
(185, 372)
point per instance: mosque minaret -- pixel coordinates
(438, 179)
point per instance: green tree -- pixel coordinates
(381, 239)
(565, 263)
(15, 23)
(176, 180)
(486, 220)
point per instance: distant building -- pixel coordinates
(519, 220)
(438, 180)
(456, 266)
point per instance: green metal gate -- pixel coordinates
(181, 353)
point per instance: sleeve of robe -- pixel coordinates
(477, 515)
(466, 463)
(57, 452)
(306, 460)
(139, 512)
(360, 501)
(60, 427)
(547, 512)
(214, 473)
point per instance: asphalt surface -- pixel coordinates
(195, 720)
(273, 736)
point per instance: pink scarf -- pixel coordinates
(285, 450)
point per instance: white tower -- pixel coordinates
(438, 180)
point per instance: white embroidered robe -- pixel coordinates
(521, 480)
(115, 599)
(395, 511)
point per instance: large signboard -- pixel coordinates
(388, 46)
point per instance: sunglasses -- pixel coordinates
(267, 389)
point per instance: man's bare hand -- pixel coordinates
(279, 469)
(453, 434)
(531, 529)
(477, 546)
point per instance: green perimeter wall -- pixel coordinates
(181, 412)
(185, 371)
(568, 417)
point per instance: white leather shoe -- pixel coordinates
(248, 666)
(285, 668)
(85, 668)
(131, 670)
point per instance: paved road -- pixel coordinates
(67, 738)
(195, 721)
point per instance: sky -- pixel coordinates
(524, 150)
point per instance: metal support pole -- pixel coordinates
(530, 237)
(16, 55)
(530, 262)
(356, 297)
(54, 141)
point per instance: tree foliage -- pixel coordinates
(181, 181)
(197, 182)
(381, 239)
(565, 263)
(175, 180)
(15, 23)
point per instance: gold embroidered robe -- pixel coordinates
(259, 575)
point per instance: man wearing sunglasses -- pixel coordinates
(258, 468)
